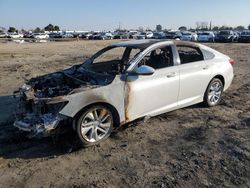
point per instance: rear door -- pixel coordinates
(195, 75)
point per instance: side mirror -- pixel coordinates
(144, 70)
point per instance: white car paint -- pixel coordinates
(40, 36)
(144, 35)
(192, 80)
(206, 37)
(15, 35)
(133, 95)
(189, 36)
(156, 94)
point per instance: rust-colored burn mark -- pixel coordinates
(127, 100)
(54, 100)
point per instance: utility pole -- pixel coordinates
(120, 26)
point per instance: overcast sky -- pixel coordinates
(109, 14)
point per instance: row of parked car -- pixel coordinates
(209, 36)
(204, 36)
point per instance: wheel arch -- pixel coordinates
(220, 77)
(109, 106)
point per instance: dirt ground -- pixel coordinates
(191, 147)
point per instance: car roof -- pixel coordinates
(143, 44)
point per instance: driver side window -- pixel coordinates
(158, 58)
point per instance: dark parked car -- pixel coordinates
(93, 36)
(245, 36)
(226, 36)
(173, 35)
(85, 35)
(121, 36)
(103, 36)
(55, 35)
(27, 35)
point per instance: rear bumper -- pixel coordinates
(229, 79)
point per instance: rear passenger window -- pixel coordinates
(189, 54)
(207, 55)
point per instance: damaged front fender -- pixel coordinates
(38, 116)
(41, 125)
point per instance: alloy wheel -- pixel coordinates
(96, 124)
(214, 93)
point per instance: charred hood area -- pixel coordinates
(64, 82)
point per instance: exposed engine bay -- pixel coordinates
(64, 82)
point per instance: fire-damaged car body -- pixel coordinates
(120, 83)
(42, 98)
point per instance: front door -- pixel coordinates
(150, 95)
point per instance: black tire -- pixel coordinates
(84, 140)
(207, 101)
(211, 40)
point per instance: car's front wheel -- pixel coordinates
(95, 125)
(213, 93)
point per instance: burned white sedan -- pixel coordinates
(121, 83)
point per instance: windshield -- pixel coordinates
(111, 60)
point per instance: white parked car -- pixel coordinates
(188, 36)
(15, 35)
(3, 35)
(40, 36)
(145, 35)
(67, 35)
(149, 34)
(133, 34)
(121, 83)
(206, 36)
(109, 35)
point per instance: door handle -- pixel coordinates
(171, 75)
(206, 67)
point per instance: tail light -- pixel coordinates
(231, 61)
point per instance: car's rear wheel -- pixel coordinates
(95, 125)
(213, 93)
